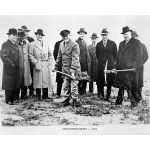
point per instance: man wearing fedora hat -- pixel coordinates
(11, 67)
(24, 47)
(92, 52)
(68, 58)
(85, 60)
(41, 58)
(129, 57)
(106, 52)
(30, 39)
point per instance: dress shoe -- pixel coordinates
(66, 102)
(76, 103)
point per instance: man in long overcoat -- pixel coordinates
(129, 57)
(68, 58)
(85, 61)
(106, 52)
(59, 78)
(92, 52)
(11, 78)
(24, 47)
(141, 68)
(30, 39)
(41, 58)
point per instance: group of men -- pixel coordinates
(125, 65)
(26, 65)
(27, 61)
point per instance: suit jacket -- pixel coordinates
(105, 54)
(11, 78)
(68, 57)
(85, 60)
(92, 52)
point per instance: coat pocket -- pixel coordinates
(38, 66)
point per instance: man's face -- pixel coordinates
(66, 38)
(82, 35)
(39, 37)
(26, 33)
(94, 40)
(21, 38)
(104, 36)
(127, 36)
(13, 37)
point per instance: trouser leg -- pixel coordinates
(24, 92)
(101, 89)
(84, 84)
(120, 96)
(66, 87)
(91, 86)
(59, 87)
(108, 92)
(74, 89)
(38, 92)
(140, 92)
(16, 94)
(10, 95)
(31, 89)
(44, 92)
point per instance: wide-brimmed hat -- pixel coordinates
(104, 31)
(126, 29)
(94, 36)
(39, 31)
(12, 31)
(134, 34)
(25, 28)
(21, 33)
(64, 33)
(82, 30)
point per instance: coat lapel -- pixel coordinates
(81, 43)
(69, 44)
(126, 46)
(13, 45)
(38, 45)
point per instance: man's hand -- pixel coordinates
(133, 69)
(72, 74)
(114, 71)
(53, 70)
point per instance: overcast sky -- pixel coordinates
(52, 25)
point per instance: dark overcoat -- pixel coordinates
(55, 54)
(92, 52)
(129, 56)
(141, 69)
(11, 78)
(85, 60)
(105, 54)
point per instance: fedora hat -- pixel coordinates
(82, 30)
(21, 33)
(25, 28)
(126, 29)
(64, 33)
(39, 31)
(12, 31)
(94, 36)
(104, 31)
(134, 34)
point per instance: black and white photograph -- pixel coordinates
(74, 71)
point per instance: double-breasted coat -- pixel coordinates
(25, 63)
(84, 57)
(40, 55)
(68, 57)
(94, 62)
(129, 56)
(105, 54)
(55, 54)
(11, 78)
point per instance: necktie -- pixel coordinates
(104, 43)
